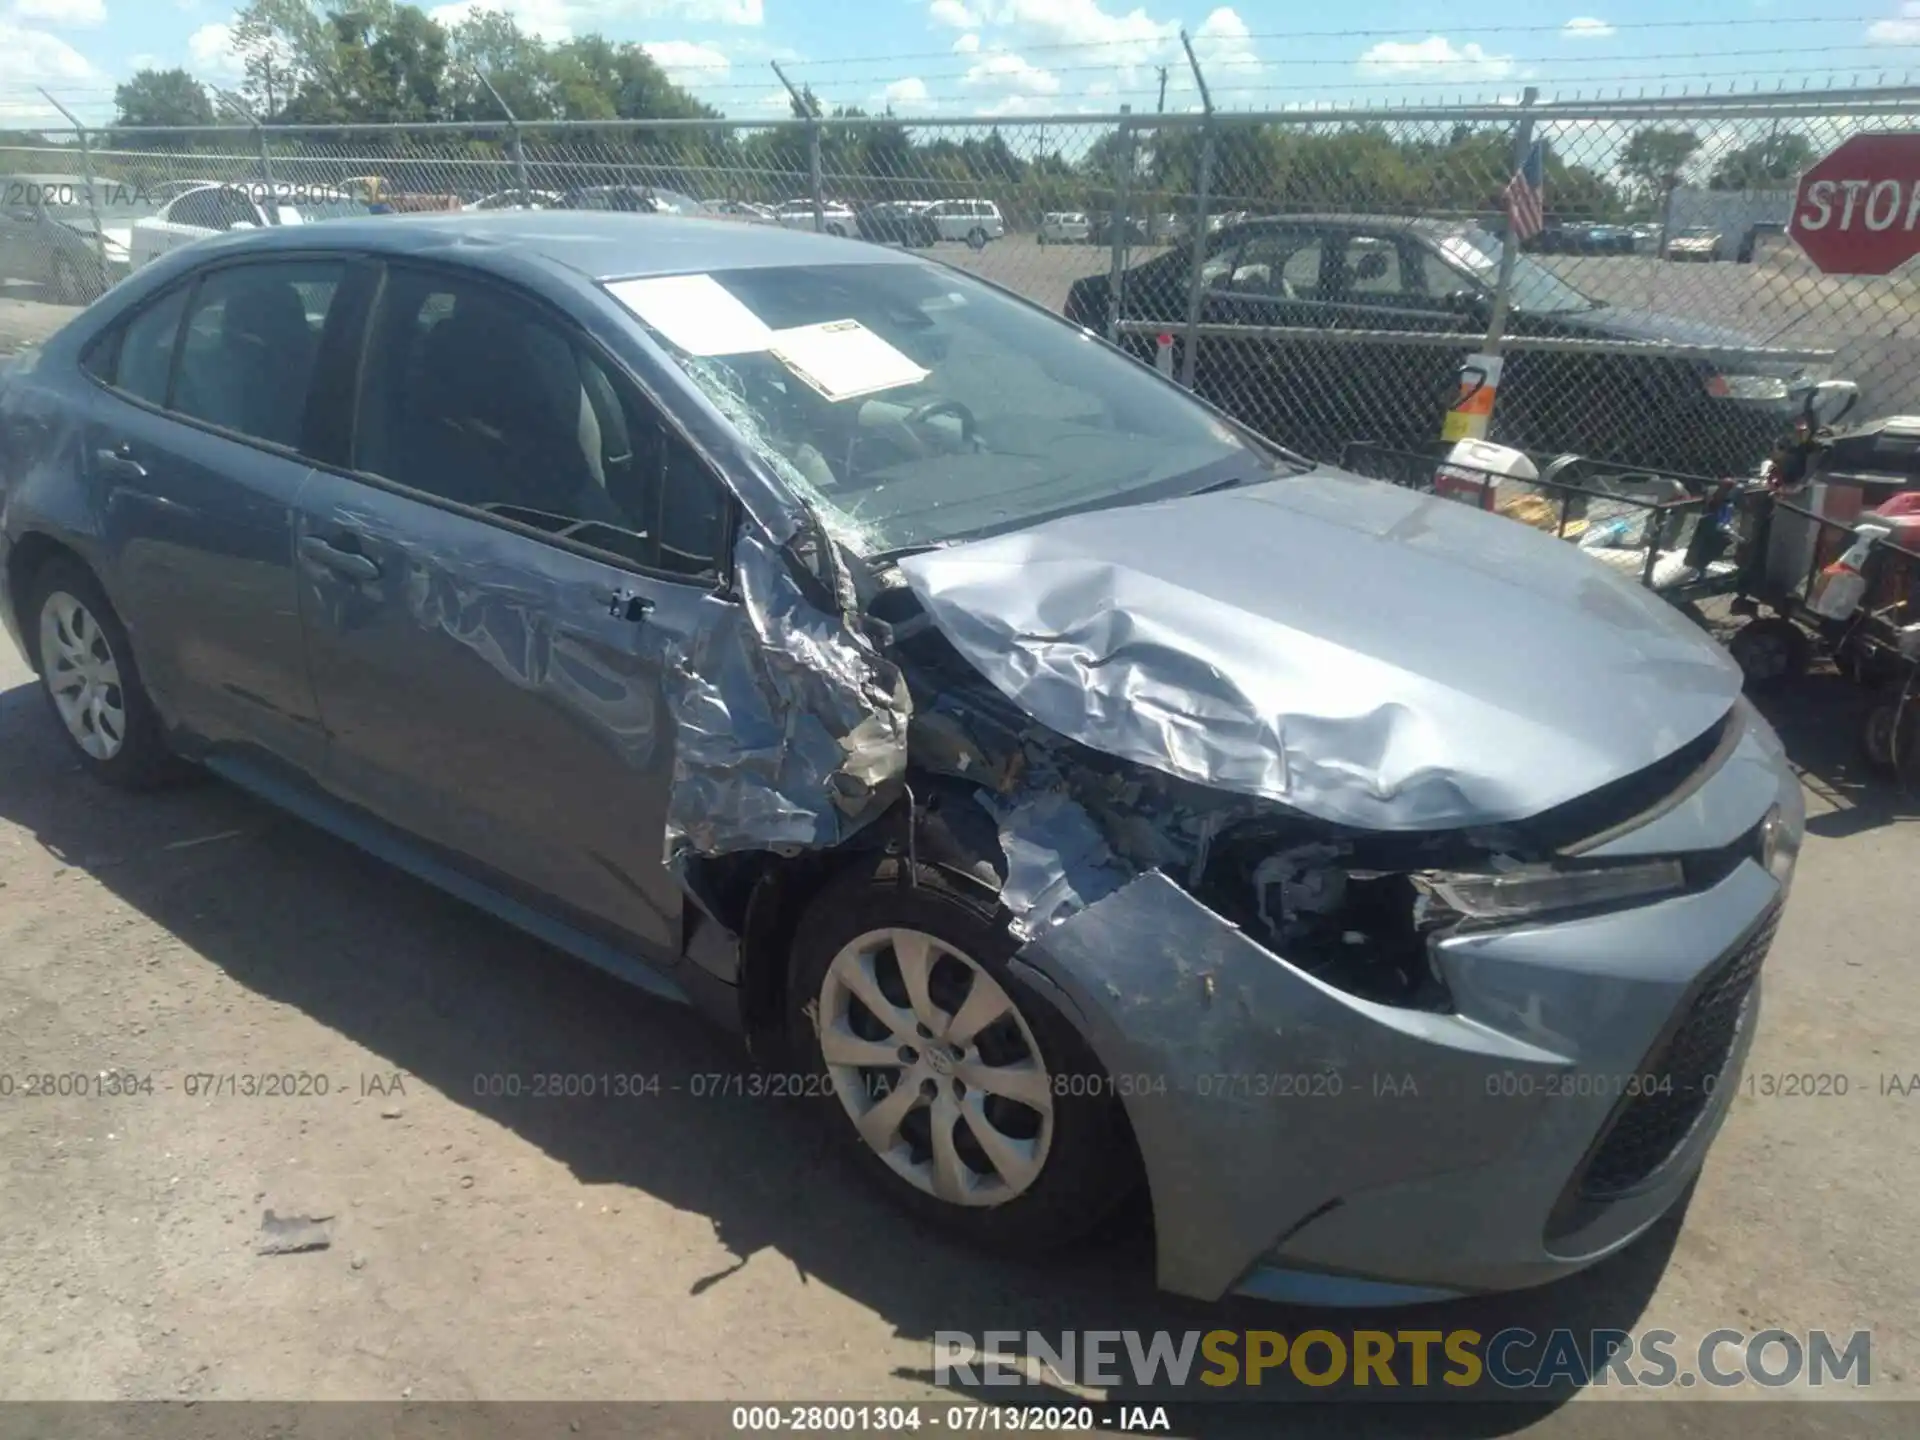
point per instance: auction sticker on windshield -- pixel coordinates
(843, 359)
(696, 313)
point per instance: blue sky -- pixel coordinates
(1014, 57)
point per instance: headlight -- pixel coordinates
(1540, 889)
(1747, 387)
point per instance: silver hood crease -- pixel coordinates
(1312, 641)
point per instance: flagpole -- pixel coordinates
(1510, 243)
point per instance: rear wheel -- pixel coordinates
(961, 1092)
(92, 685)
(1771, 651)
(977, 238)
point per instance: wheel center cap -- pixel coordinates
(939, 1061)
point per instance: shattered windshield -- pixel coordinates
(915, 407)
(1535, 288)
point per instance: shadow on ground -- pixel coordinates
(446, 994)
(1819, 718)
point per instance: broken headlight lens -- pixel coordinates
(1528, 890)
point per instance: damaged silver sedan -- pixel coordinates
(1069, 790)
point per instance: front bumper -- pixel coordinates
(1302, 1143)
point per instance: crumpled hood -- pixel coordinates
(1361, 652)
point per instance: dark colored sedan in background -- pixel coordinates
(1696, 416)
(978, 722)
(897, 222)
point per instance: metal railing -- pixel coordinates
(1322, 273)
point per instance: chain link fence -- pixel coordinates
(1319, 274)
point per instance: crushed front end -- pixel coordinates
(1375, 1066)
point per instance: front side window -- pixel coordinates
(252, 338)
(1019, 416)
(474, 395)
(1535, 288)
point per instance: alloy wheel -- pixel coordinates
(936, 1067)
(83, 676)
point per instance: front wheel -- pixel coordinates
(961, 1092)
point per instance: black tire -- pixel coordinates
(143, 759)
(1890, 736)
(1090, 1169)
(976, 239)
(1771, 651)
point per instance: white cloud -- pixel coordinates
(954, 14)
(1585, 27)
(1012, 73)
(1436, 56)
(1224, 46)
(30, 58)
(687, 63)
(1126, 40)
(210, 52)
(66, 14)
(1903, 30)
(967, 44)
(910, 91)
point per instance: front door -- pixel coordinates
(489, 598)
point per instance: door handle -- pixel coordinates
(629, 605)
(352, 565)
(118, 460)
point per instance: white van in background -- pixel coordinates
(974, 221)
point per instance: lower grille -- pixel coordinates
(1646, 1129)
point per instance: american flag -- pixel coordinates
(1526, 194)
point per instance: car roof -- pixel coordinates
(599, 244)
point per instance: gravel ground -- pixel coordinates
(681, 1247)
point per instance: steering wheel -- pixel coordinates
(920, 414)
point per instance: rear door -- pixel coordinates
(198, 450)
(490, 583)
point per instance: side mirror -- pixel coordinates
(1829, 402)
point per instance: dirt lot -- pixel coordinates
(675, 1247)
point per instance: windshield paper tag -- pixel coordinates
(843, 359)
(695, 313)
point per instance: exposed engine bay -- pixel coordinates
(1348, 907)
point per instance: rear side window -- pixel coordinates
(136, 358)
(250, 347)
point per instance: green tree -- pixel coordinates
(1770, 164)
(161, 97)
(1652, 157)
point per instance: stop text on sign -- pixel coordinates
(1875, 204)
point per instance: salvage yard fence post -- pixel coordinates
(1118, 220)
(1510, 242)
(1196, 284)
(86, 179)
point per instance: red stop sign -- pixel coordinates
(1857, 212)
